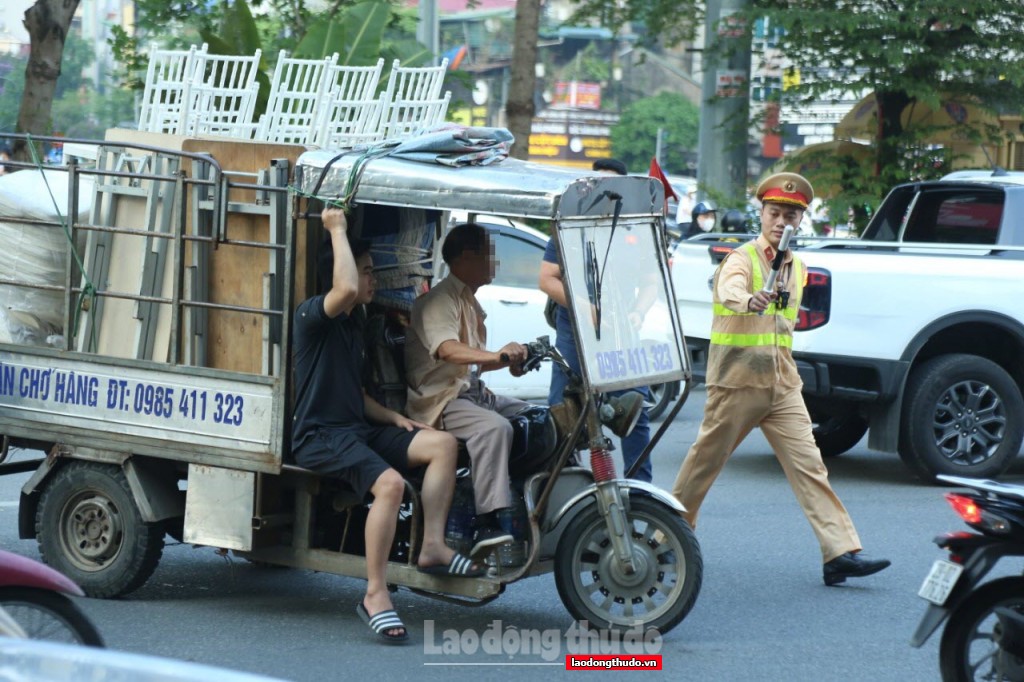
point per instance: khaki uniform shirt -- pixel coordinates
(744, 366)
(448, 312)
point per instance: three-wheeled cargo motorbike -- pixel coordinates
(160, 391)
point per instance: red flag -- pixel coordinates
(656, 172)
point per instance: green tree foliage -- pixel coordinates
(587, 65)
(78, 110)
(917, 53)
(356, 35)
(360, 32)
(654, 22)
(634, 138)
(12, 85)
(909, 52)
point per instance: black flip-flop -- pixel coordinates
(382, 622)
(458, 567)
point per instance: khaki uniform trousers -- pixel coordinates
(730, 414)
(481, 419)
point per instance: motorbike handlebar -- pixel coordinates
(536, 351)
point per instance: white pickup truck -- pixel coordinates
(913, 333)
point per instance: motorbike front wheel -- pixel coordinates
(661, 591)
(50, 616)
(969, 649)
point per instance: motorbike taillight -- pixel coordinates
(965, 506)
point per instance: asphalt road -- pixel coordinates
(763, 612)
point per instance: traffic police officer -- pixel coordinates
(752, 381)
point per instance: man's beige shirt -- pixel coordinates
(448, 312)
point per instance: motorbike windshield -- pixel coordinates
(617, 279)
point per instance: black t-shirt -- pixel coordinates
(328, 371)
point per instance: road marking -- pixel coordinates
(9, 504)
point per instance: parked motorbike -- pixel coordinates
(35, 603)
(984, 636)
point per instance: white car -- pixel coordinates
(515, 309)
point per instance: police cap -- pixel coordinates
(786, 188)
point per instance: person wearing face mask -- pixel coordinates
(702, 219)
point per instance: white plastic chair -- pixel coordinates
(407, 118)
(169, 80)
(412, 100)
(223, 96)
(350, 113)
(298, 92)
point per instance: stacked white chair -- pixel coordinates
(313, 102)
(350, 113)
(299, 91)
(167, 91)
(412, 100)
(223, 97)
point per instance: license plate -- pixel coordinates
(940, 581)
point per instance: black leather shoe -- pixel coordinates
(852, 565)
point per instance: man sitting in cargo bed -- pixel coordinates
(340, 431)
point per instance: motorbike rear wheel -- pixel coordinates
(49, 616)
(969, 650)
(658, 595)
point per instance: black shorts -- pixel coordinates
(358, 455)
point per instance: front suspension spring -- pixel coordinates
(602, 464)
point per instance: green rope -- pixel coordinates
(355, 174)
(88, 294)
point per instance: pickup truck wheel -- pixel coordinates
(962, 415)
(661, 398)
(835, 434)
(89, 529)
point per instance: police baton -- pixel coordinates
(769, 286)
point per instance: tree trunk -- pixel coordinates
(519, 107)
(890, 106)
(47, 23)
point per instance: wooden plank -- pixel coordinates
(236, 275)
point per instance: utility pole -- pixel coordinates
(725, 109)
(427, 31)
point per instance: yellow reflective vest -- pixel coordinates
(749, 350)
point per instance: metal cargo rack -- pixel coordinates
(167, 252)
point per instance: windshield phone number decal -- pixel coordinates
(60, 387)
(630, 362)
